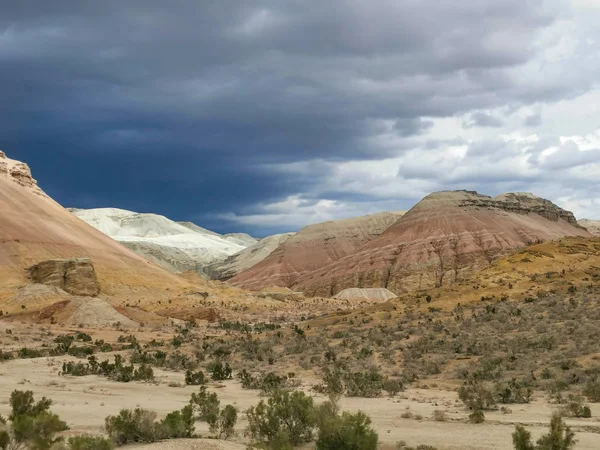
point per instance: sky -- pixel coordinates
(266, 116)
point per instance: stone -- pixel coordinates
(74, 276)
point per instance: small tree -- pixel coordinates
(348, 431)
(287, 419)
(207, 405)
(227, 421)
(560, 437)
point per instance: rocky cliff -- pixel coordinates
(441, 238)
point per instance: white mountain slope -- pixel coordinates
(255, 253)
(175, 246)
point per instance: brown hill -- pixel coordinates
(34, 228)
(444, 236)
(314, 247)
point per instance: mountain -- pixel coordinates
(34, 228)
(178, 247)
(444, 236)
(247, 258)
(593, 226)
(314, 247)
(242, 239)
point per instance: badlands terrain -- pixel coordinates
(447, 325)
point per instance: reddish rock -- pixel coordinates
(445, 235)
(314, 247)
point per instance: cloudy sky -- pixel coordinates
(264, 116)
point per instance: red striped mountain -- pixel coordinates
(314, 247)
(444, 236)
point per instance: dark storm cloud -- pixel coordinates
(180, 107)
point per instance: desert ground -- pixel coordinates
(84, 402)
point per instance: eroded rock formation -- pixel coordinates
(314, 247)
(74, 276)
(442, 237)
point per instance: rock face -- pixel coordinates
(445, 235)
(247, 258)
(178, 247)
(74, 276)
(35, 228)
(593, 226)
(371, 294)
(18, 172)
(312, 248)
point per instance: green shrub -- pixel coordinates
(576, 408)
(32, 423)
(221, 372)
(207, 405)
(287, 419)
(132, 426)
(476, 396)
(512, 392)
(348, 431)
(227, 421)
(26, 353)
(560, 437)
(194, 378)
(178, 424)
(266, 383)
(90, 443)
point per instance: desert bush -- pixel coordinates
(439, 415)
(32, 424)
(221, 371)
(177, 424)
(477, 416)
(346, 431)
(265, 382)
(89, 443)
(207, 405)
(476, 396)
(115, 371)
(138, 425)
(575, 408)
(513, 391)
(592, 391)
(227, 421)
(287, 419)
(194, 378)
(560, 437)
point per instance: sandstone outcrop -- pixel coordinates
(74, 276)
(441, 238)
(312, 248)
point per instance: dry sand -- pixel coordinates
(84, 402)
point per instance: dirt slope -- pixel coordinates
(445, 235)
(314, 247)
(33, 228)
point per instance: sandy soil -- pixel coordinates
(84, 402)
